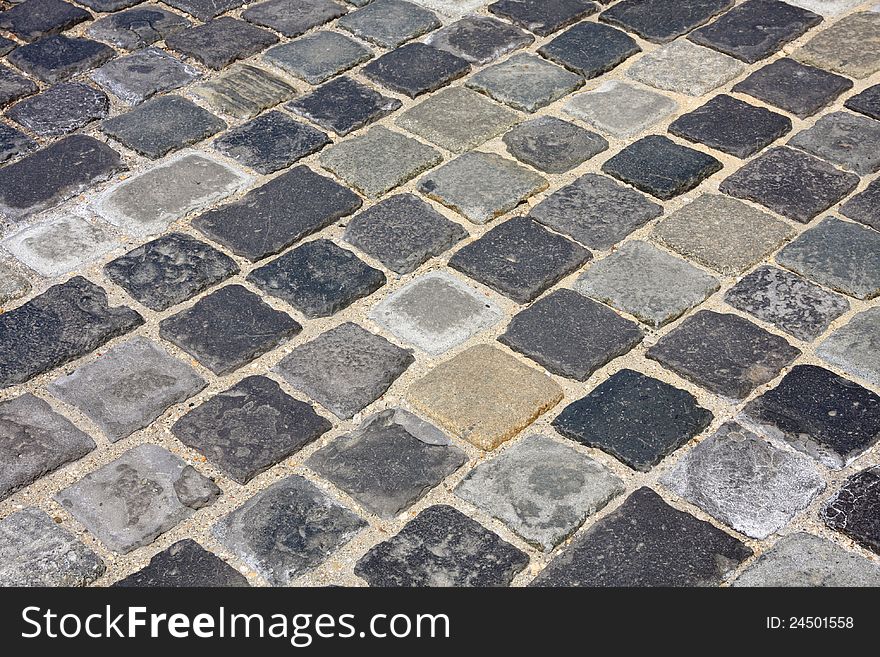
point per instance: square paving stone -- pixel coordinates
(520, 259)
(724, 353)
(287, 529)
(451, 8)
(271, 142)
(415, 69)
(132, 500)
(543, 17)
(318, 278)
(244, 92)
(139, 76)
(442, 547)
(185, 564)
(13, 284)
(756, 29)
(74, 319)
(745, 482)
(484, 395)
(864, 207)
(789, 302)
(480, 39)
(525, 82)
(35, 551)
(204, 10)
(794, 87)
(481, 186)
(138, 27)
(646, 542)
(855, 348)
(389, 23)
(14, 142)
(619, 109)
(14, 86)
(228, 328)
(541, 489)
(60, 109)
(293, 17)
(826, 7)
(685, 68)
(722, 233)
(270, 218)
(389, 463)
(169, 270)
(866, 102)
(660, 167)
(838, 254)
(435, 312)
(637, 419)
(794, 184)
(318, 56)
(343, 105)
(590, 49)
(250, 427)
(853, 510)
(379, 160)
(661, 21)
(218, 43)
(128, 387)
(553, 145)
(851, 46)
(571, 335)
(345, 369)
(59, 57)
(732, 126)
(33, 19)
(847, 140)
(648, 283)
(34, 441)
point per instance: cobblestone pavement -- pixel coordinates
(441, 292)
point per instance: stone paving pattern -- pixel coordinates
(436, 293)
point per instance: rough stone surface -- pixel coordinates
(60, 109)
(543, 17)
(57, 58)
(244, 92)
(864, 207)
(416, 68)
(525, 82)
(480, 39)
(853, 509)
(343, 105)
(293, 17)
(685, 68)
(660, 21)
(619, 109)
(14, 142)
(855, 348)
(553, 145)
(185, 564)
(847, 140)
(12, 284)
(851, 46)
(866, 102)
(139, 76)
(205, 10)
(590, 49)
(218, 43)
(33, 19)
(138, 27)
(826, 7)
(14, 86)
(318, 56)
(389, 23)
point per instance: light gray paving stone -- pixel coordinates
(855, 347)
(525, 82)
(826, 7)
(685, 68)
(244, 91)
(452, 8)
(619, 109)
(137, 77)
(13, 284)
(319, 56)
(553, 145)
(389, 23)
(851, 46)
(847, 140)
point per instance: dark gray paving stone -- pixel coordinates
(855, 347)
(287, 529)
(543, 17)
(228, 329)
(792, 86)
(820, 413)
(204, 10)
(139, 76)
(402, 232)
(732, 126)
(847, 140)
(250, 427)
(58, 57)
(138, 27)
(661, 21)
(74, 320)
(345, 369)
(244, 91)
(838, 254)
(864, 207)
(7, 46)
(270, 218)
(571, 335)
(218, 43)
(389, 23)
(590, 49)
(553, 145)
(794, 184)
(866, 102)
(343, 105)
(14, 142)
(318, 56)
(271, 142)
(34, 441)
(60, 109)
(13, 86)
(724, 353)
(132, 500)
(185, 564)
(480, 39)
(525, 82)
(520, 259)
(415, 69)
(442, 547)
(637, 419)
(789, 302)
(855, 509)
(293, 17)
(109, 5)
(33, 19)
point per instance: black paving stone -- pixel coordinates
(855, 509)
(867, 102)
(14, 142)
(58, 57)
(33, 19)
(590, 49)
(61, 109)
(553, 145)
(343, 105)
(205, 9)
(218, 43)
(13, 86)
(293, 17)
(416, 68)
(480, 39)
(864, 207)
(543, 17)
(663, 20)
(7, 45)
(185, 564)
(138, 27)
(109, 5)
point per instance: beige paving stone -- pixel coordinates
(244, 92)
(685, 68)
(851, 46)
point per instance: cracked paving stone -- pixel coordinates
(389, 463)
(481, 186)
(619, 109)
(722, 233)
(851, 46)
(484, 395)
(480, 39)
(128, 387)
(847, 140)
(169, 270)
(33, 19)
(389, 23)
(141, 75)
(60, 109)
(74, 319)
(204, 10)
(218, 43)
(520, 259)
(14, 142)
(345, 369)
(864, 207)
(853, 511)
(732, 126)
(838, 254)
(34, 551)
(866, 102)
(58, 57)
(540, 489)
(35, 441)
(403, 232)
(270, 142)
(745, 482)
(661, 21)
(637, 419)
(272, 217)
(590, 49)
(228, 329)
(646, 542)
(415, 69)
(250, 427)
(553, 145)
(244, 92)
(442, 547)
(135, 498)
(525, 82)
(318, 278)
(685, 68)
(570, 335)
(543, 17)
(12, 284)
(789, 302)
(724, 353)
(318, 56)
(660, 167)
(293, 17)
(185, 564)
(138, 27)
(287, 529)
(343, 105)
(14, 86)
(435, 312)
(855, 347)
